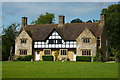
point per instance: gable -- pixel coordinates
(54, 35)
(87, 33)
(23, 34)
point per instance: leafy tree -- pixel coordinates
(48, 18)
(113, 28)
(76, 21)
(89, 21)
(95, 20)
(8, 40)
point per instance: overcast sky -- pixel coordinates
(13, 11)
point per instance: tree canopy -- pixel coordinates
(76, 21)
(113, 27)
(8, 40)
(48, 18)
(89, 21)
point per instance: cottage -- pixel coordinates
(69, 39)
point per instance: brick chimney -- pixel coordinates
(102, 20)
(61, 20)
(24, 21)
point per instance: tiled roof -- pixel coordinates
(69, 31)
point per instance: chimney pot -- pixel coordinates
(61, 20)
(102, 20)
(24, 21)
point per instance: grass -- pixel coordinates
(52, 69)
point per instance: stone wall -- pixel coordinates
(92, 45)
(19, 45)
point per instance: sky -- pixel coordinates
(13, 11)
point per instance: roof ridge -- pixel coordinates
(41, 24)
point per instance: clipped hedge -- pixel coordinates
(83, 58)
(47, 58)
(25, 58)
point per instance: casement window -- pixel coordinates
(23, 40)
(51, 41)
(86, 52)
(55, 41)
(47, 52)
(86, 40)
(23, 52)
(59, 41)
(63, 51)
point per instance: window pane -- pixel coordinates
(47, 52)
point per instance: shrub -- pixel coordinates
(20, 58)
(111, 59)
(28, 58)
(25, 58)
(47, 58)
(83, 58)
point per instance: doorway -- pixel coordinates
(37, 56)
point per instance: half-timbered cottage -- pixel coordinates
(69, 39)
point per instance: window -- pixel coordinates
(47, 52)
(23, 40)
(55, 41)
(63, 52)
(86, 52)
(51, 41)
(23, 52)
(86, 40)
(59, 41)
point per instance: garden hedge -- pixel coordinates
(25, 58)
(47, 58)
(83, 58)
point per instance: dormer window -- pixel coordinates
(23, 40)
(86, 40)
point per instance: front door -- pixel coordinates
(37, 55)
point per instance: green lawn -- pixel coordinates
(52, 69)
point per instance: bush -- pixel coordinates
(111, 59)
(47, 58)
(25, 58)
(95, 59)
(83, 58)
(28, 58)
(20, 58)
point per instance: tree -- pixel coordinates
(48, 18)
(76, 21)
(8, 40)
(89, 21)
(112, 24)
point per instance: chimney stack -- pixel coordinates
(61, 20)
(102, 20)
(24, 21)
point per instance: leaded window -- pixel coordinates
(47, 52)
(63, 52)
(86, 40)
(23, 52)
(86, 52)
(23, 40)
